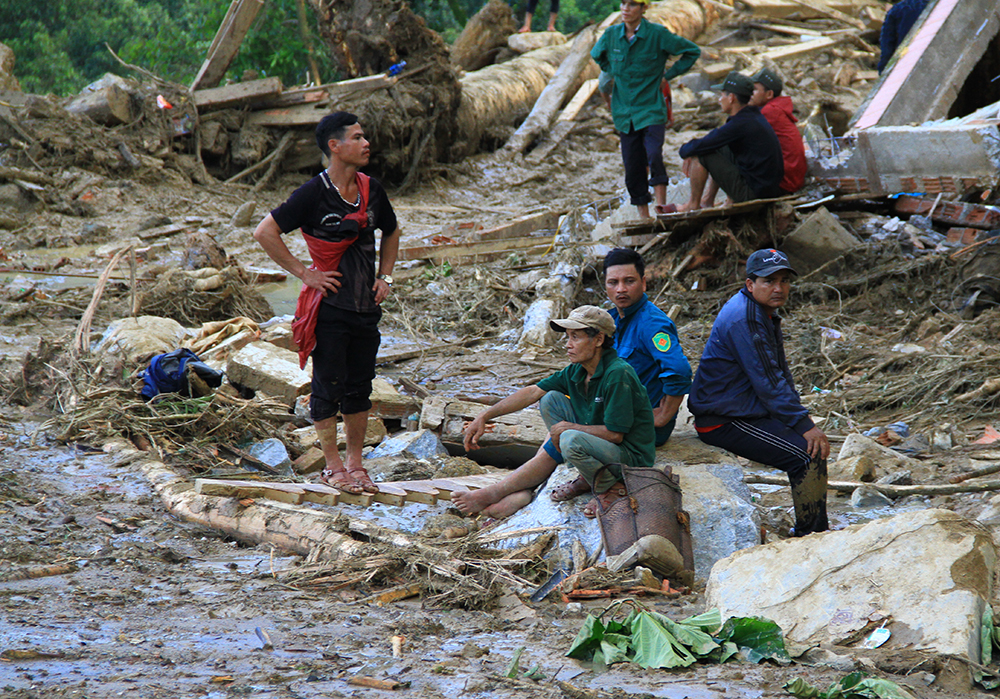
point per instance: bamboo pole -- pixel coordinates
(892, 491)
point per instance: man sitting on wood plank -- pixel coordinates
(634, 55)
(743, 397)
(743, 155)
(597, 413)
(339, 308)
(778, 110)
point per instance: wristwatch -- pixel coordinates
(387, 278)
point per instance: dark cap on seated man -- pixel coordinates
(769, 79)
(584, 317)
(737, 84)
(764, 263)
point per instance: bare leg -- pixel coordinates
(509, 505)
(525, 477)
(527, 24)
(711, 190)
(552, 22)
(660, 194)
(334, 474)
(698, 176)
(355, 425)
(643, 210)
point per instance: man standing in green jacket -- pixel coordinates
(634, 54)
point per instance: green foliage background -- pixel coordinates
(59, 45)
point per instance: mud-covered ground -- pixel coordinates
(159, 608)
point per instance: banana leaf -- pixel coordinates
(759, 638)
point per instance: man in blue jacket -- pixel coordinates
(743, 156)
(743, 397)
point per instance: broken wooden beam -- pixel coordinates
(229, 95)
(564, 122)
(226, 43)
(477, 251)
(519, 227)
(555, 92)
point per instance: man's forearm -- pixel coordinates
(518, 400)
(388, 252)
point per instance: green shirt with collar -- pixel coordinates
(638, 67)
(614, 398)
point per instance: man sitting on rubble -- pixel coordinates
(778, 110)
(743, 155)
(646, 338)
(743, 397)
(597, 413)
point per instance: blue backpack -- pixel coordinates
(167, 373)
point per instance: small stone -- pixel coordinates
(896, 478)
(574, 608)
(273, 453)
(866, 496)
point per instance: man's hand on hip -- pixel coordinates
(324, 282)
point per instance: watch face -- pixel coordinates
(386, 278)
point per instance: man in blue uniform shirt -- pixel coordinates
(646, 338)
(743, 397)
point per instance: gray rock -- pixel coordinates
(930, 572)
(273, 453)
(866, 496)
(896, 478)
(422, 444)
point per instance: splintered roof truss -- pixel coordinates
(931, 65)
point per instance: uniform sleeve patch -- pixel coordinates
(661, 341)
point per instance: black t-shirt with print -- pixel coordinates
(318, 209)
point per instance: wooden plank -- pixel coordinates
(785, 8)
(715, 71)
(227, 95)
(391, 494)
(419, 491)
(282, 492)
(519, 227)
(325, 495)
(226, 43)
(581, 97)
(365, 83)
(831, 12)
(301, 115)
(799, 49)
(785, 29)
(478, 250)
(327, 92)
(164, 231)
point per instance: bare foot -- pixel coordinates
(552, 27)
(524, 30)
(470, 502)
(689, 206)
(508, 505)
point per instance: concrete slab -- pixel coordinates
(817, 240)
(261, 366)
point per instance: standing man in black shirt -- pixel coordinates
(337, 316)
(743, 156)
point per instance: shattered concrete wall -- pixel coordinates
(930, 67)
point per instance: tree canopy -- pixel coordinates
(61, 45)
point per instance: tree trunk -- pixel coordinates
(484, 36)
(566, 79)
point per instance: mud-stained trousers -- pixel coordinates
(772, 443)
(585, 452)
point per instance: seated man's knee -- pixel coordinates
(550, 399)
(573, 444)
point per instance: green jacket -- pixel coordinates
(638, 67)
(615, 399)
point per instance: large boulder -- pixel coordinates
(927, 574)
(861, 456)
(723, 517)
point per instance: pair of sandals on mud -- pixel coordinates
(579, 486)
(354, 481)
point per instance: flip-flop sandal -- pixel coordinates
(666, 208)
(615, 492)
(570, 490)
(363, 480)
(340, 480)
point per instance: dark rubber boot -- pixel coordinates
(809, 499)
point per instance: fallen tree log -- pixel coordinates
(293, 528)
(484, 36)
(566, 78)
